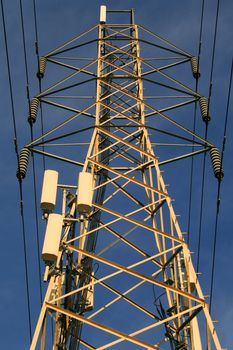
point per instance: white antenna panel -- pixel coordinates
(103, 10)
(49, 190)
(85, 192)
(52, 237)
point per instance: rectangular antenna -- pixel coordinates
(103, 14)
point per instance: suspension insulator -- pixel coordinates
(216, 163)
(23, 163)
(34, 105)
(195, 68)
(41, 68)
(204, 109)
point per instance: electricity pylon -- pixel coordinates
(120, 274)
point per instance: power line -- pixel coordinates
(206, 135)
(24, 52)
(219, 188)
(33, 161)
(37, 221)
(194, 121)
(20, 183)
(38, 65)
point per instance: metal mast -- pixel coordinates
(122, 275)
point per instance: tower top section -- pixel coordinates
(104, 11)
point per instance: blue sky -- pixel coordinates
(59, 21)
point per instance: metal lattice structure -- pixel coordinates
(123, 277)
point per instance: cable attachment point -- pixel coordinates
(41, 67)
(204, 109)
(216, 163)
(34, 105)
(195, 68)
(23, 163)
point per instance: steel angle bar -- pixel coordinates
(102, 327)
(153, 325)
(154, 274)
(121, 296)
(204, 143)
(177, 105)
(135, 273)
(122, 56)
(60, 125)
(130, 301)
(121, 238)
(115, 49)
(44, 93)
(159, 144)
(74, 47)
(126, 292)
(181, 51)
(161, 47)
(119, 114)
(184, 156)
(51, 155)
(139, 223)
(128, 194)
(117, 32)
(113, 144)
(63, 136)
(166, 97)
(123, 153)
(75, 58)
(66, 87)
(189, 319)
(116, 90)
(71, 109)
(169, 87)
(123, 175)
(104, 278)
(119, 217)
(131, 74)
(127, 172)
(156, 70)
(71, 41)
(139, 150)
(87, 345)
(124, 235)
(64, 144)
(81, 70)
(122, 89)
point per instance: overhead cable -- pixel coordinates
(206, 135)
(219, 189)
(33, 161)
(194, 121)
(38, 64)
(20, 183)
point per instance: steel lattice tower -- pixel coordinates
(123, 277)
